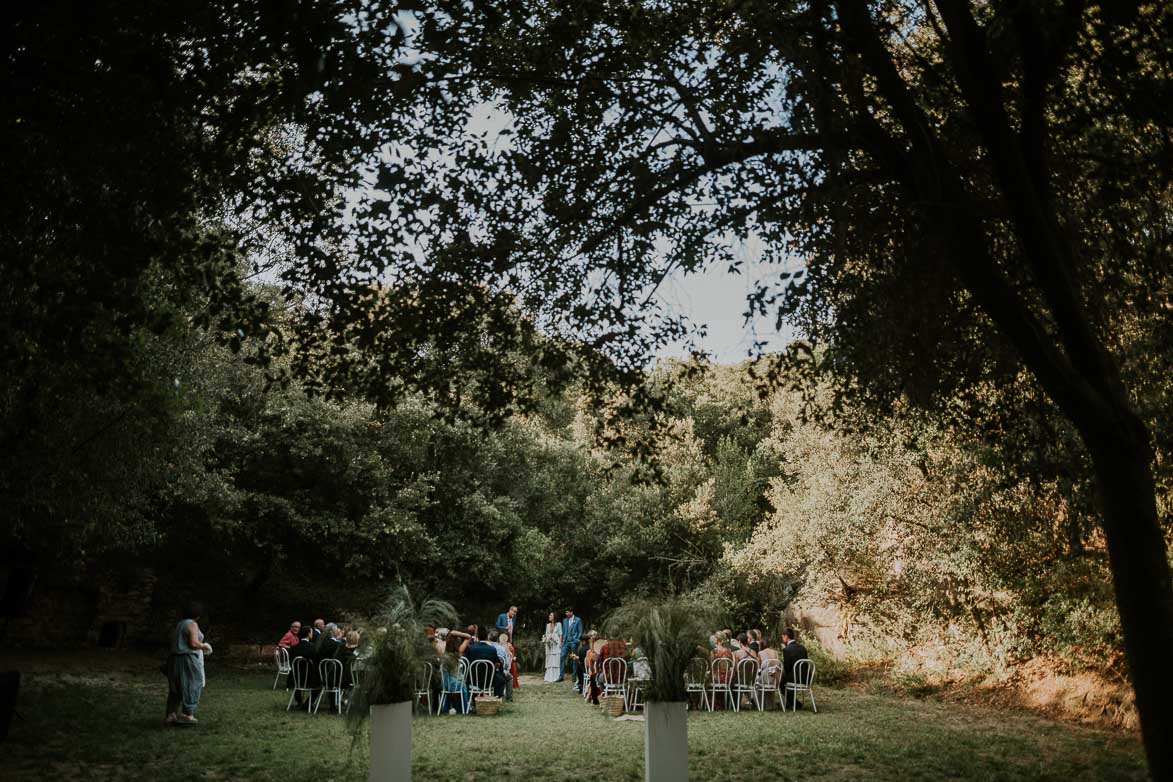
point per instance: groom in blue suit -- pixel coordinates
(571, 633)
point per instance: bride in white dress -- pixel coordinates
(553, 640)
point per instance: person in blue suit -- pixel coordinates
(505, 621)
(571, 633)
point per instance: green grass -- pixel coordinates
(107, 727)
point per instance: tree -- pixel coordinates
(974, 189)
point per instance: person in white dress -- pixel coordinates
(552, 638)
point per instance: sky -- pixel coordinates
(717, 299)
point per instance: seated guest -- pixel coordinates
(743, 649)
(327, 645)
(640, 667)
(792, 652)
(480, 649)
(768, 654)
(455, 645)
(319, 627)
(578, 655)
(508, 642)
(506, 660)
(289, 640)
(347, 656)
(721, 676)
(441, 641)
(304, 648)
(593, 669)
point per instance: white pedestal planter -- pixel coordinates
(665, 742)
(391, 743)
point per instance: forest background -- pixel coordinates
(272, 503)
(447, 383)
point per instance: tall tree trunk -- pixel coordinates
(1144, 590)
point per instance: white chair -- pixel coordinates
(694, 679)
(454, 684)
(641, 674)
(745, 682)
(802, 679)
(480, 678)
(423, 688)
(301, 681)
(615, 677)
(330, 672)
(355, 680)
(770, 680)
(281, 657)
(720, 674)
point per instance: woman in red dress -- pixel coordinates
(508, 642)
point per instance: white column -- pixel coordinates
(665, 742)
(391, 743)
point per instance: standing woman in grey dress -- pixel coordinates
(185, 668)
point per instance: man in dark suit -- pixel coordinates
(326, 647)
(792, 652)
(480, 650)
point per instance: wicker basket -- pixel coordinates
(487, 706)
(612, 705)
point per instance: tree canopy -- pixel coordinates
(474, 205)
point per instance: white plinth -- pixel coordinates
(665, 742)
(391, 743)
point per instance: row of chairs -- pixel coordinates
(720, 676)
(472, 678)
(747, 678)
(329, 679)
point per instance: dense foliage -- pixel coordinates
(468, 209)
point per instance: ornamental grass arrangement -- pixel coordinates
(671, 632)
(392, 656)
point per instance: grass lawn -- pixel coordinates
(106, 726)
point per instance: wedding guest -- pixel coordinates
(441, 641)
(319, 626)
(185, 668)
(579, 658)
(455, 645)
(594, 667)
(289, 640)
(552, 639)
(640, 667)
(571, 633)
(348, 654)
(481, 649)
(505, 621)
(508, 642)
(304, 648)
(506, 658)
(744, 650)
(792, 652)
(722, 676)
(768, 654)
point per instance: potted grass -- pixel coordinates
(670, 632)
(392, 661)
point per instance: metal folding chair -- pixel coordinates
(281, 657)
(301, 679)
(330, 672)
